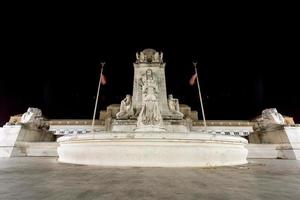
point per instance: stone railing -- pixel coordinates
(224, 123)
(74, 122)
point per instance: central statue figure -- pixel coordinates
(150, 113)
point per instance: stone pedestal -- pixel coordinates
(286, 138)
(12, 136)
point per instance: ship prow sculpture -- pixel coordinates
(151, 129)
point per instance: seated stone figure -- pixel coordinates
(174, 106)
(124, 108)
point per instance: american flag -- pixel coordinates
(193, 79)
(103, 79)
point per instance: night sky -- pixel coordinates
(245, 64)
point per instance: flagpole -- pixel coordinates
(97, 97)
(200, 97)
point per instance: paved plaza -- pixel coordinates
(44, 178)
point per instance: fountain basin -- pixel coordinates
(153, 149)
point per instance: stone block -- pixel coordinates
(11, 135)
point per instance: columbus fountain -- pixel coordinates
(150, 129)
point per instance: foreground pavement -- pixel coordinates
(45, 178)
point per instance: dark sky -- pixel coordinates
(246, 63)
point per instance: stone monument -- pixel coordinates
(149, 129)
(149, 104)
